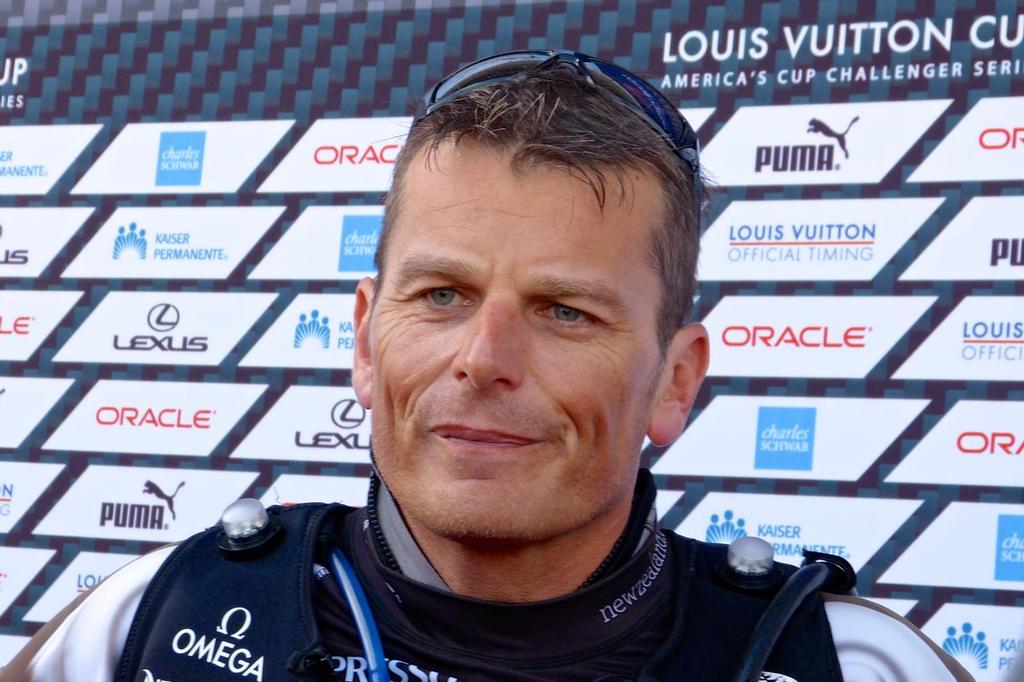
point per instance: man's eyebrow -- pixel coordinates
(418, 267)
(559, 288)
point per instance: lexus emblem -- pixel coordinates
(163, 317)
(347, 414)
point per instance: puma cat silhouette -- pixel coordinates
(153, 489)
(816, 125)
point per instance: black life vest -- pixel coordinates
(209, 616)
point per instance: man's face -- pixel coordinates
(511, 357)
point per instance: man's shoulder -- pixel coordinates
(871, 638)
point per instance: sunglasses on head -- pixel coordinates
(643, 98)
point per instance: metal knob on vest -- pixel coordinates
(247, 529)
(750, 556)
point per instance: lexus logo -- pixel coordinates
(163, 317)
(347, 413)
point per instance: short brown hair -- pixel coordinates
(555, 117)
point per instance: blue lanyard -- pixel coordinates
(348, 582)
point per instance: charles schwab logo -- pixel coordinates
(12, 256)
(222, 648)
(180, 158)
(348, 415)
(136, 515)
(785, 438)
(359, 237)
(1010, 547)
(807, 157)
(162, 319)
(967, 647)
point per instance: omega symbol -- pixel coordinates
(163, 317)
(226, 620)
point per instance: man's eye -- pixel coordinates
(442, 296)
(564, 313)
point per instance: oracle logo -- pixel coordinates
(163, 418)
(1002, 138)
(798, 337)
(989, 443)
(329, 155)
(18, 327)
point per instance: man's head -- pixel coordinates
(524, 332)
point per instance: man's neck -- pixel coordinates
(528, 572)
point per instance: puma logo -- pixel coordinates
(153, 489)
(816, 125)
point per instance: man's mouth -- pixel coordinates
(459, 433)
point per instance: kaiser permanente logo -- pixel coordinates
(983, 338)
(785, 438)
(173, 242)
(821, 336)
(315, 330)
(33, 158)
(803, 144)
(823, 239)
(180, 159)
(967, 646)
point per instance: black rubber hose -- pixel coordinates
(805, 582)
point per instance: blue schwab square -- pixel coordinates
(1010, 548)
(785, 438)
(179, 161)
(359, 235)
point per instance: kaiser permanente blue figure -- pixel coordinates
(526, 330)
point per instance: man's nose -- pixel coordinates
(493, 347)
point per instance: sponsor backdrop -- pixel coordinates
(187, 201)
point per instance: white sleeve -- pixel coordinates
(88, 644)
(876, 645)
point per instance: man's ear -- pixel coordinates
(686, 363)
(362, 364)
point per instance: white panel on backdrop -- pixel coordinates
(289, 489)
(173, 242)
(143, 503)
(983, 338)
(164, 327)
(827, 439)
(970, 544)
(342, 155)
(313, 424)
(325, 243)
(31, 237)
(28, 317)
(154, 417)
(986, 640)
(21, 484)
(665, 500)
(86, 570)
(200, 157)
(978, 442)
(817, 144)
(851, 527)
(23, 402)
(10, 645)
(987, 144)
(985, 241)
(18, 566)
(809, 239)
(33, 158)
(807, 336)
(315, 330)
